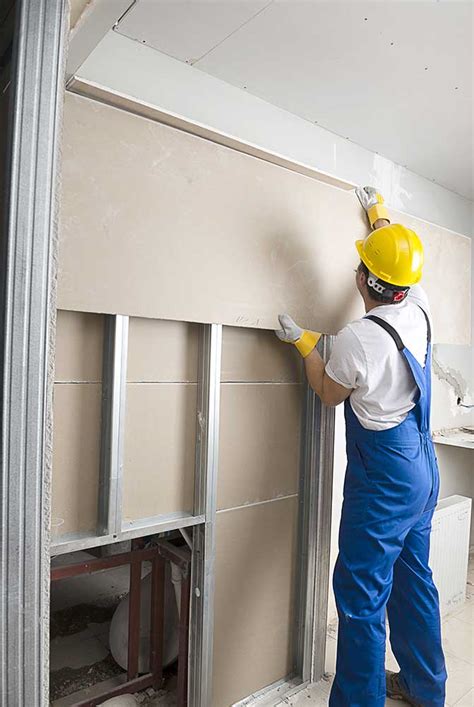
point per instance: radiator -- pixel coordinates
(449, 553)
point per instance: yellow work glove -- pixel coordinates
(291, 333)
(373, 204)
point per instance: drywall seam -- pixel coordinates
(257, 503)
(77, 382)
(163, 382)
(254, 382)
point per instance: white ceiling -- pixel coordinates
(395, 76)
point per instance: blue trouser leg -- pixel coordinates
(413, 613)
(362, 586)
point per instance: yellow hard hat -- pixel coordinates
(393, 254)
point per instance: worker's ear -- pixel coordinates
(361, 277)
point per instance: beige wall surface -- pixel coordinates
(160, 431)
(254, 355)
(162, 351)
(259, 442)
(162, 224)
(76, 457)
(79, 347)
(254, 596)
(77, 422)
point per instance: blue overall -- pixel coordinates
(390, 493)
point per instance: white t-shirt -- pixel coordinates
(365, 358)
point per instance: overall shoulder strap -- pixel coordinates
(428, 325)
(389, 329)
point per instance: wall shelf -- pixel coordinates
(455, 437)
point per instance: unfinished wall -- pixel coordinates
(140, 225)
(261, 402)
(77, 423)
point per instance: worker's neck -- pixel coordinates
(370, 303)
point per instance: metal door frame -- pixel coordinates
(27, 265)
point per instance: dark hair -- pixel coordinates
(387, 297)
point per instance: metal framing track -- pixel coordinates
(314, 532)
(29, 230)
(114, 382)
(204, 541)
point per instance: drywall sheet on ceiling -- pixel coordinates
(162, 224)
(254, 598)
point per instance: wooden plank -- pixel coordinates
(159, 223)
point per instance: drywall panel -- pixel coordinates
(160, 350)
(76, 457)
(256, 355)
(258, 442)
(187, 30)
(254, 594)
(189, 230)
(160, 430)
(79, 346)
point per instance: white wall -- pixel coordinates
(140, 72)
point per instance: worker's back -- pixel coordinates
(365, 358)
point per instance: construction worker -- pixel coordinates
(380, 366)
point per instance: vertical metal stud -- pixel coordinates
(114, 384)
(26, 313)
(203, 558)
(314, 532)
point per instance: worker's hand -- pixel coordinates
(372, 202)
(291, 333)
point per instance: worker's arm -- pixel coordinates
(330, 392)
